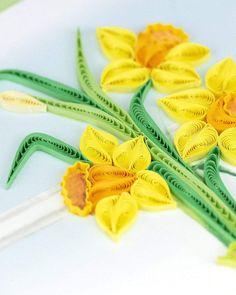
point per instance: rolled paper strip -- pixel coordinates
(230, 258)
(116, 42)
(187, 52)
(221, 113)
(133, 155)
(152, 192)
(115, 214)
(75, 189)
(173, 76)
(213, 179)
(156, 41)
(97, 145)
(100, 172)
(45, 85)
(202, 211)
(149, 127)
(186, 105)
(90, 114)
(19, 102)
(221, 77)
(91, 87)
(194, 139)
(45, 143)
(227, 145)
(109, 180)
(123, 75)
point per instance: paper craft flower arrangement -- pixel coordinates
(112, 180)
(161, 53)
(115, 184)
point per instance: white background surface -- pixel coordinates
(164, 253)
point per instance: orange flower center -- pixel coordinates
(154, 44)
(76, 186)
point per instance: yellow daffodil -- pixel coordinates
(115, 184)
(162, 53)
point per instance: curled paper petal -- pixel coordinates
(152, 192)
(191, 53)
(227, 145)
(75, 188)
(133, 155)
(109, 180)
(19, 102)
(194, 139)
(116, 213)
(221, 114)
(221, 77)
(123, 75)
(173, 76)
(97, 145)
(186, 105)
(117, 42)
(154, 43)
(230, 258)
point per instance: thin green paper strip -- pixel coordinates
(213, 179)
(45, 143)
(89, 114)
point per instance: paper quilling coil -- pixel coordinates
(186, 105)
(45, 143)
(194, 139)
(213, 179)
(227, 145)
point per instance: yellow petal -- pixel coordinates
(186, 105)
(227, 145)
(123, 75)
(173, 76)
(15, 101)
(116, 43)
(152, 192)
(116, 213)
(132, 155)
(194, 139)
(97, 145)
(191, 53)
(221, 77)
(75, 189)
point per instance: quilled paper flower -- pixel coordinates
(115, 183)
(194, 139)
(162, 53)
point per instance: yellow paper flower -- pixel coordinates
(114, 181)
(162, 53)
(227, 145)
